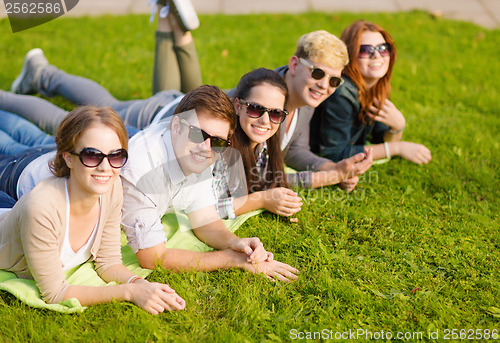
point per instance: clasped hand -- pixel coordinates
(352, 167)
(282, 201)
(253, 248)
(156, 297)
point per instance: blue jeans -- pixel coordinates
(11, 168)
(6, 201)
(17, 135)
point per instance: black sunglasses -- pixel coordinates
(91, 157)
(256, 111)
(367, 50)
(319, 74)
(197, 135)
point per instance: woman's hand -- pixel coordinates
(155, 297)
(282, 201)
(252, 247)
(414, 152)
(388, 115)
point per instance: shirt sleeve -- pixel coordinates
(378, 132)
(299, 155)
(229, 182)
(301, 179)
(141, 218)
(225, 208)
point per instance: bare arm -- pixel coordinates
(186, 260)
(152, 297)
(392, 117)
(414, 152)
(282, 201)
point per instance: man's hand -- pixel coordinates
(349, 184)
(252, 247)
(273, 270)
(356, 165)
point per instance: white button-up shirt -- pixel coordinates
(154, 184)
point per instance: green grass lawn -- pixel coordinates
(413, 249)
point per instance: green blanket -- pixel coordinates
(179, 234)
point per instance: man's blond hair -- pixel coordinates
(324, 48)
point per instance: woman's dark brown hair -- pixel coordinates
(74, 125)
(382, 89)
(275, 175)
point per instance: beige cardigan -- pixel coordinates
(32, 234)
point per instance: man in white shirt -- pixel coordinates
(169, 170)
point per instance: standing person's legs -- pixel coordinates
(42, 113)
(176, 64)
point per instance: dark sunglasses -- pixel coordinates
(367, 51)
(197, 135)
(256, 111)
(319, 74)
(91, 157)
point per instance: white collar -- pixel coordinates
(172, 166)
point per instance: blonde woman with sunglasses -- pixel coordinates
(40, 239)
(360, 110)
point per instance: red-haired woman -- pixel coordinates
(360, 110)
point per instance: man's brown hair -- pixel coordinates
(211, 100)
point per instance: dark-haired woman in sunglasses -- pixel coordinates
(74, 217)
(360, 110)
(259, 100)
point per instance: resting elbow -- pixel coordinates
(145, 261)
(151, 257)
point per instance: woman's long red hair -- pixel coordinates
(382, 89)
